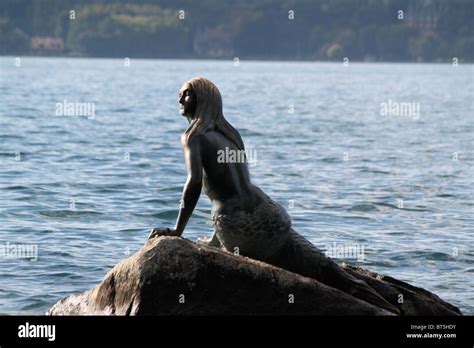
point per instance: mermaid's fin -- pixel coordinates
(300, 256)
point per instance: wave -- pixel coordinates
(68, 213)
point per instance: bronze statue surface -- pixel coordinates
(244, 217)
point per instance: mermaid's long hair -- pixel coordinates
(208, 115)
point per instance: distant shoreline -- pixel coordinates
(253, 59)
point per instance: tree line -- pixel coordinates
(366, 30)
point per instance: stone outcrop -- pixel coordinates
(174, 276)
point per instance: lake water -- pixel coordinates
(330, 145)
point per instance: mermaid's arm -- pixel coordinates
(191, 191)
(192, 188)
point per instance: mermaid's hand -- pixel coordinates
(157, 232)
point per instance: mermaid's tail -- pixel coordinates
(266, 234)
(300, 256)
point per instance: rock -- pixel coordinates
(172, 275)
(409, 299)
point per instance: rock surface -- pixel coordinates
(174, 276)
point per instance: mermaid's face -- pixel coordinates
(187, 100)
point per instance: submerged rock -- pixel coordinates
(174, 276)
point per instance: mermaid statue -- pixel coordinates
(244, 217)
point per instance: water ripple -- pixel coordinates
(344, 167)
